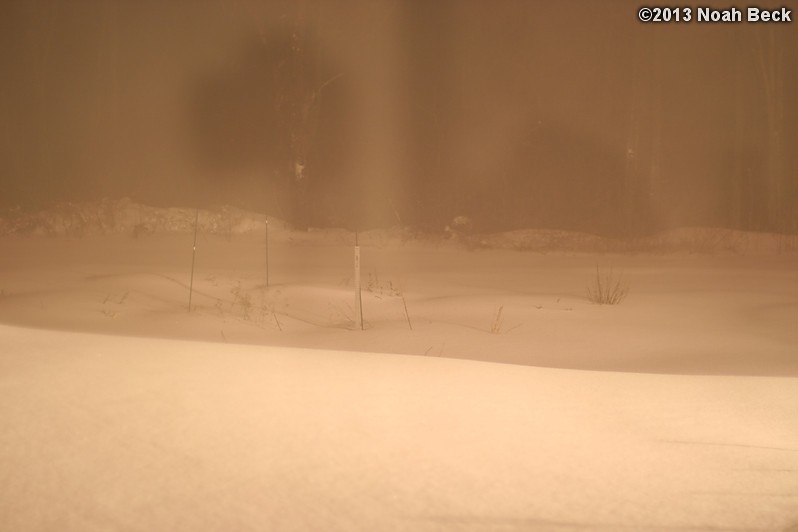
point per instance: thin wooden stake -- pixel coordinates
(407, 314)
(193, 257)
(267, 252)
(358, 297)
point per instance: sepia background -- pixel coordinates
(562, 115)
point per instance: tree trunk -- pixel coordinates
(771, 69)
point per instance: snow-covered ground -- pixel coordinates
(485, 393)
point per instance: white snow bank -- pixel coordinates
(113, 433)
(708, 240)
(126, 217)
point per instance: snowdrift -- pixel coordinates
(127, 217)
(109, 433)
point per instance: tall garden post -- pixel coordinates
(193, 257)
(358, 298)
(267, 252)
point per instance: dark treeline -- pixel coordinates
(517, 114)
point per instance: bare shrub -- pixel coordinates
(608, 288)
(243, 300)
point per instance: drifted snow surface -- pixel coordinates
(122, 411)
(105, 433)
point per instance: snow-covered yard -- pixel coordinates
(500, 399)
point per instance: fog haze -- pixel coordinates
(361, 114)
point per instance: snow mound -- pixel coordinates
(543, 240)
(709, 240)
(136, 434)
(715, 239)
(127, 217)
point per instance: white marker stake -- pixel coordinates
(267, 252)
(193, 256)
(358, 299)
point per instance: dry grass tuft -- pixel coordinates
(608, 288)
